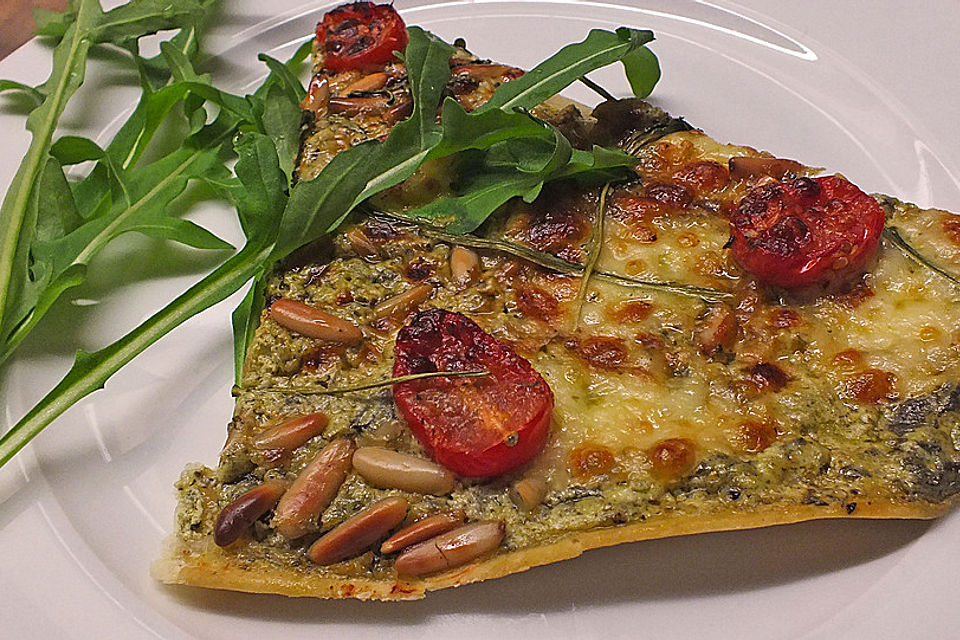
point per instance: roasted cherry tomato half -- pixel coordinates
(477, 427)
(360, 35)
(806, 231)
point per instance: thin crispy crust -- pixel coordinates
(203, 564)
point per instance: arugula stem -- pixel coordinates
(603, 93)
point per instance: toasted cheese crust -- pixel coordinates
(674, 415)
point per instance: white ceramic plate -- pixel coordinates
(84, 509)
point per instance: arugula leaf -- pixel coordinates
(69, 63)
(284, 77)
(512, 168)
(35, 96)
(463, 130)
(563, 68)
(91, 370)
(281, 121)
(21, 243)
(123, 24)
(155, 72)
(274, 224)
(55, 23)
(131, 21)
(260, 198)
(52, 191)
(137, 131)
(488, 189)
(117, 197)
(244, 321)
(427, 60)
(66, 257)
(643, 71)
(319, 205)
(603, 164)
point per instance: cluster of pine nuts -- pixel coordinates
(433, 543)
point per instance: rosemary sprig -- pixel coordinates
(389, 382)
(594, 249)
(893, 235)
(560, 265)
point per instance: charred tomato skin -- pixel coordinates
(360, 35)
(807, 231)
(477, 427)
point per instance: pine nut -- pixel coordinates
(318, 95)
(359, 532)
(369, 82)
(361, 244)
(282, 440)
(423, 529)
(481, 72)
(451, 549)
(358, 106)
(313, 490)
(394, 470)
(314, 323)
(528, 493)
(464, 266)
(236, 517)
(400, 305)
(399, 111)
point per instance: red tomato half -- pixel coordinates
(361, 35)
(806, 231)
(477, 427)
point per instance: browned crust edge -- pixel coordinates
(202, 564)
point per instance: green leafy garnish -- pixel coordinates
(643, 71)
(50, 229)
(556, 73)
(508, 153)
